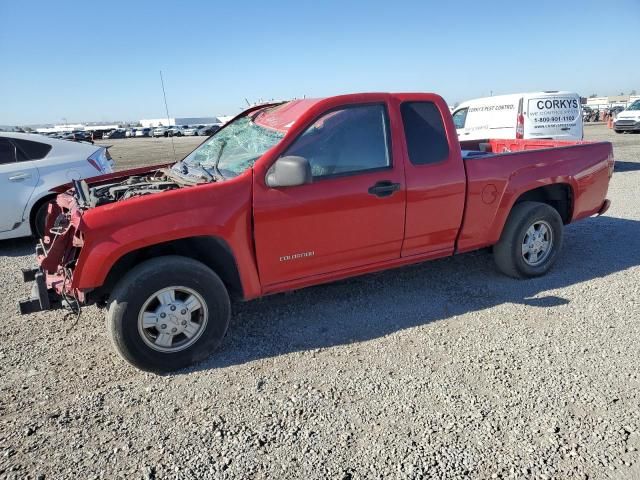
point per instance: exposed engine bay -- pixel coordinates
(157, 181)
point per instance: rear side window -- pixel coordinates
(348, 140)
(424, 130)
(7, 152)
(32, 150)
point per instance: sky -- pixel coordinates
(100, 61)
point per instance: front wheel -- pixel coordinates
(530, 242)
(168, 313)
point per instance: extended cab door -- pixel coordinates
(18, 180)
(436, 179)
(351, 215)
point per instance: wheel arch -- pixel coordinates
(560, 196)
(42, 199)
(214, 252)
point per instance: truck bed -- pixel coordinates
(498, 170)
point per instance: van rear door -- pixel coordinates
(553, 115)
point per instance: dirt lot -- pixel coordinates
(136, 152)
(442, 370)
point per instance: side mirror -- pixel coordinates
(289, 172)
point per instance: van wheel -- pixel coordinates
(530, 241)
(168, 313)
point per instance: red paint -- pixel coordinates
(299, 236)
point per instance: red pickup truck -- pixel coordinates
(296, 194)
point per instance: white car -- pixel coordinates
(175, 131)
(143, 132)
(192, 131)
(159, 132)
(628, 120)
(30, 167)
(539, 115)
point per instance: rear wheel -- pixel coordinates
(168, 313)
(530, 241)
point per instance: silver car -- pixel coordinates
(159, 132)
(192, 130)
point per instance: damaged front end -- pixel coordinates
(58, 252)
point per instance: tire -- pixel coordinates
(509, 252)
(618, 131)
(39, 219)
(140, 290)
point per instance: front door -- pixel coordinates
(18, 180)
(352, 214)
(459, 120)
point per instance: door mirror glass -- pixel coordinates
(289, 171)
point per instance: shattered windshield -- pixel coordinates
(234, 149)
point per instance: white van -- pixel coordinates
(540, 115)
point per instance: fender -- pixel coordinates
(514, 192)
(220, 210)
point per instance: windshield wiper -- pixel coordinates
(210, 176)
(215, 165)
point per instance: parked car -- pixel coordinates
(544, 115)
(192, 130)
(174, 131)
(118, 133)
(159, 132)
(143, 132)
(78, 137)
(628, 120)
(614, 111)
(301, 194)
(208, 130)
(31, 166)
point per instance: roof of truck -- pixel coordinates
(283, 116)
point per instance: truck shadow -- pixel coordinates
(623, 166)
(17, 247)
(377, 305)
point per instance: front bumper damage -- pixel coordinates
(56, 255)
(41, 298)
(44, 291)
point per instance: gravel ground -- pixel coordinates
(442, 370)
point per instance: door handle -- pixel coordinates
(19, 176)
(384, 188)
